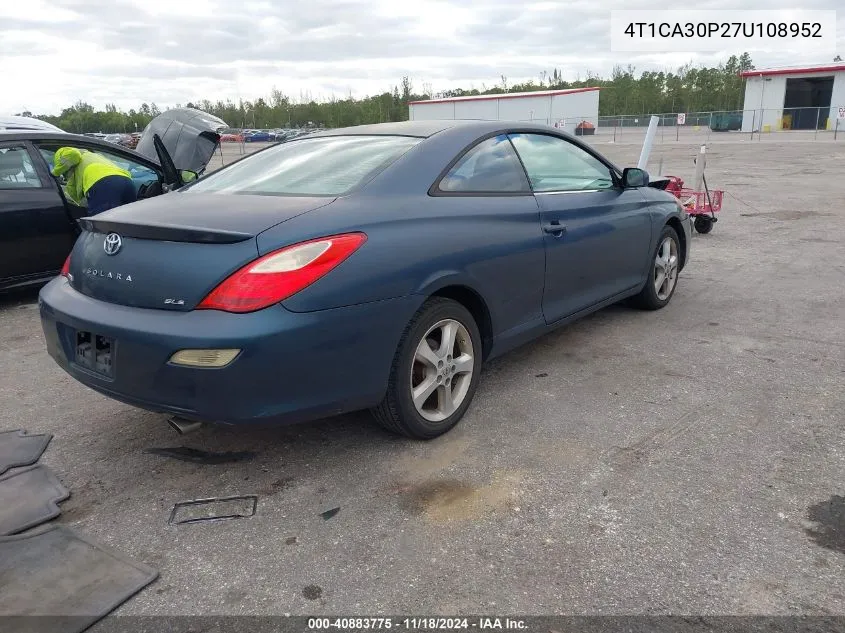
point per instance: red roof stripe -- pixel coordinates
(507, 95)
(793, 71)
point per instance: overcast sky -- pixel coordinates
(55, 52)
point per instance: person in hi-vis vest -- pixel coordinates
(92, 180)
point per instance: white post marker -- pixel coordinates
(699, 168)
(649, 141)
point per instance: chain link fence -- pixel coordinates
(811, 123)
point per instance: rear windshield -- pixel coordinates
(326, 166)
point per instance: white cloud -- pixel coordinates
(35, 10)
(164, 51)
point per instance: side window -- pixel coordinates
(140, 173)
(17, 170)
(492, 166)
(48, 155)
(555, 164)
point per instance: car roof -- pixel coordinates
(461, 130)
(47, 135)
(70, 139)
(422, 129)
(14, 123)
(425, 129)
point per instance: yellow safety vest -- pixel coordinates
(83, 169)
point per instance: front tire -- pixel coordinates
(663, 276)
(435, 371)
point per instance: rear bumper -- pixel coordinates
(293, 367)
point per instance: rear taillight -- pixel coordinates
(280, 274)
(66, 268)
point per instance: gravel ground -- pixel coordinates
(690, 460)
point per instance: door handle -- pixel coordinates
(555, 228)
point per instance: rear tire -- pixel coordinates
(438, 360)
(663, 275)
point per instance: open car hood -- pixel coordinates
(190, 137)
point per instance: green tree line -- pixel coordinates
(688, 89)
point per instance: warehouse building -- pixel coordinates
(793, 98)
(567, 109)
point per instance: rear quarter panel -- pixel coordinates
(419, 244)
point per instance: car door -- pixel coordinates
(36, 233)
(597, 235)
(485, 197)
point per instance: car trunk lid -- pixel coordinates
(157, 254)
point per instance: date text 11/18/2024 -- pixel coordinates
(416, 623)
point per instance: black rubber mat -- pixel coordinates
(28, 497)
(63, 578)
(19, 449)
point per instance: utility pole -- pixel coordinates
(763, 81)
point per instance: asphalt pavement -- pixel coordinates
(690, 460)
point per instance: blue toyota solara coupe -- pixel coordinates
(373, 267)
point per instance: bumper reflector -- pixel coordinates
(204, 357)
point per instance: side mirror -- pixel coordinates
(634, 177)
(188, 176)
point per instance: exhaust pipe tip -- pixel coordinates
(183, 426)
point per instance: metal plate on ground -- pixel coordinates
(28, 497)
(19, 449)
(215, 509)
(62, 576)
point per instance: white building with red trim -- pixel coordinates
(563, 108)
(805, 98)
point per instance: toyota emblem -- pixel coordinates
(112, 244)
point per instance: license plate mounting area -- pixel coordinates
(95, 353)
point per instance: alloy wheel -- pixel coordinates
(666, 268)
(441, 372)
